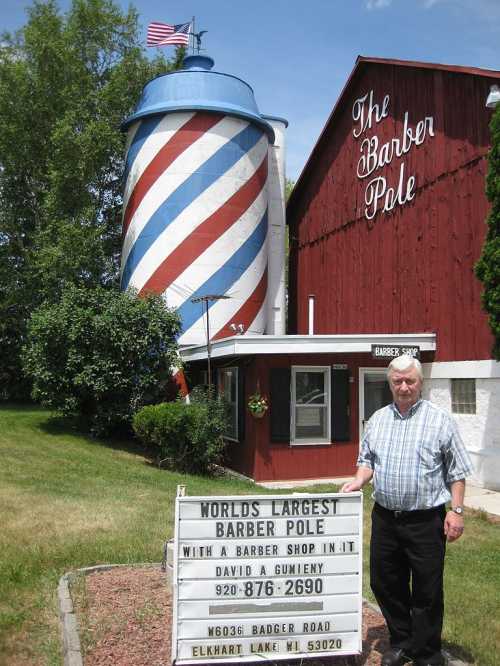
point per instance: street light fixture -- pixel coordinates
(493, 97)
(206, 299)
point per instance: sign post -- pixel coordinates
(267, 577)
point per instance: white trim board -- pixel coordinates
(246, 345)
(487, 369)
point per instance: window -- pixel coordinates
(310, 405)
(228, 388)
(463, 396)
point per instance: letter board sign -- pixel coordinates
(392, 351)
(267, 577)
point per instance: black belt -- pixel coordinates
(418, 513)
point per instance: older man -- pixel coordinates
(418, 462)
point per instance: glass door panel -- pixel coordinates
(376, 394)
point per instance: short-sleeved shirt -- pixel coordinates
(415, 457)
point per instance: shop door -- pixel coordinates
(374, 393)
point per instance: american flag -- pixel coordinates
(164, 34)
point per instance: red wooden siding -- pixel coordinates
(410, 270)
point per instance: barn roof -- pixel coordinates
(361, 63)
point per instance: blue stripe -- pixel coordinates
(146, 128)
(187, 192)
(226, 276)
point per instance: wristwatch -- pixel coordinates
(457, 509)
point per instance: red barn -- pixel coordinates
(385, 224)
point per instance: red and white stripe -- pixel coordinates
(209, 229)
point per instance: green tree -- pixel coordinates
(488, 266)
(66, 83)
(101, 354)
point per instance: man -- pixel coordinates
(418, 462)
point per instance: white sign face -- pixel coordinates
(267, 577)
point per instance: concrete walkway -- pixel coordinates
(477, 498)
(482, 499)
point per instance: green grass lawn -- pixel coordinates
(67, 501)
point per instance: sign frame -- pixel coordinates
(299, 628)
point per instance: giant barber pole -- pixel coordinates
(195, 212)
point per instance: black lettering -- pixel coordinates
(243, 529)
(300, 548)
(305, 527)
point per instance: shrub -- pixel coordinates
(100, 355)
(488, 266)
(188, 436)
(164, 427)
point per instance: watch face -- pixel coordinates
(458, 510)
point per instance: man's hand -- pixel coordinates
(453, 526)
(351, 486)
(363, 475)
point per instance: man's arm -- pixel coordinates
(453, 523)
(363, 475)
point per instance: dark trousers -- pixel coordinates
(406, 571)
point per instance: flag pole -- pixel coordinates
(193, 31)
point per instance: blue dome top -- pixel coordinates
(197, 88)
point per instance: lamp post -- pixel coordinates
(205, 299)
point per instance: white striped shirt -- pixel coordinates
(415, 457)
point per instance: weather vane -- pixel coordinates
(197, 36)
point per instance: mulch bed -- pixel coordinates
(125, 615)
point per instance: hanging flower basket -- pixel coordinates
(257, 405)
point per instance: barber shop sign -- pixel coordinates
(380, 195)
